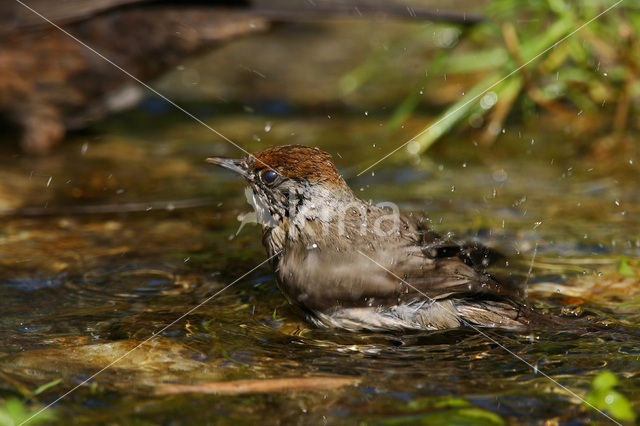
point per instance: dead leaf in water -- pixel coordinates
(133, 364)
(236, 387)
(607, 286)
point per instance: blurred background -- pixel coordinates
(516, 125)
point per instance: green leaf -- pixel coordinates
(619, 406)
(452, 402)
(15, 409)
(476, 60)
(423, 403)
(462, 108)
(457, 416)
(603, 397)
(46, 386)
(624, 268)
(604, 381)
(533, 47)
(14, 412)
(559, 7)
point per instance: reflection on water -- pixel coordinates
(81, 290)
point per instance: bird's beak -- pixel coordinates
(233, 164)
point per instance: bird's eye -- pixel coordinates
(269, 176)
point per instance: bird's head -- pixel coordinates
(289, 179)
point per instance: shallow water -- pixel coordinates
(127, 229)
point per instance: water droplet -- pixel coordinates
(413, 147)
(488, 100)
(500, 175)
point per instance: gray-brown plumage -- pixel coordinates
(354, 265)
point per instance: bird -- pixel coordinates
(354, 265)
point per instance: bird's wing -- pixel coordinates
(460, 268)
(321, 278)
(450, 275)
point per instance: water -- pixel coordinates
(83, 286)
